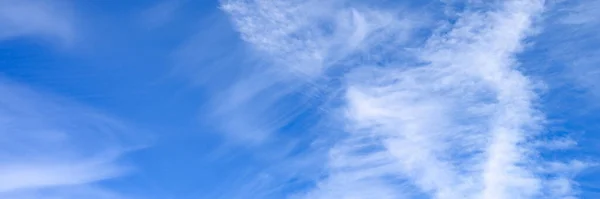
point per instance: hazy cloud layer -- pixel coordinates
(49, 20)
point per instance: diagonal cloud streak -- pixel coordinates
(53, 148)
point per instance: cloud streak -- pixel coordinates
(53, 148)
(36, 18)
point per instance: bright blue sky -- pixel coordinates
(177, 99)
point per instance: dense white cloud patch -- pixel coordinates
(460, 123)
(299, 35)
(308, 37)
(459, 126)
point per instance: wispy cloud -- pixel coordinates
(459, 122)
(294, 45)
(50, 20)
(54, 148)
(160, 13)
(574, 41)
(51, 147)
(567, 56)
(308, 37)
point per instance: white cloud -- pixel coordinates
(296, 44)
(458, 127)
(46, 19)
(462, 124)
(307, 37)
(53, 148)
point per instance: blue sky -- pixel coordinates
(177, 99)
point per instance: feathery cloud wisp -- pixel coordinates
(297, 44)
(53, 148)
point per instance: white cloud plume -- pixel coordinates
(53, 148)
(461, 124)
